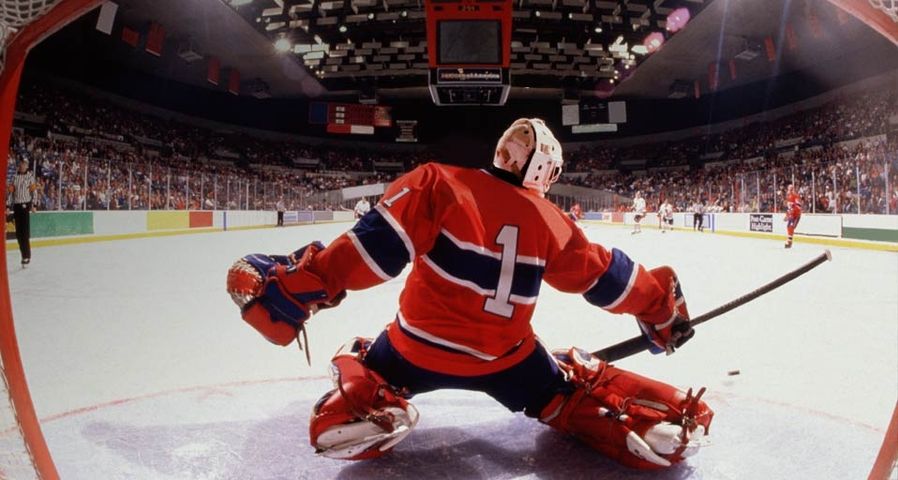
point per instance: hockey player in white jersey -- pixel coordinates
(639, 210)
(362, 207)
(665, 213)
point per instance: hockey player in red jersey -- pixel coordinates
(481, 243)
(576, 212)
(793, 213)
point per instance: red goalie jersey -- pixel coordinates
(481, 248)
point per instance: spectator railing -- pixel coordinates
(80, 182)
(863, 185)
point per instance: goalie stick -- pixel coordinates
(637, 344)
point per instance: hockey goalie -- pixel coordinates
(481, 243)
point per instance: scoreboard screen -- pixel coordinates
(589, 112)
(470, 42)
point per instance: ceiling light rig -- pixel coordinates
(283, 45)
(653, 42)
(677, 19)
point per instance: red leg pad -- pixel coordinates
(363, 417)
(610, 403)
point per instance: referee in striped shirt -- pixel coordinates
(22, 189)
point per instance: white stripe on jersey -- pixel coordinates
(442, 341)
(399, 231)
(372, 265)
(471, 247)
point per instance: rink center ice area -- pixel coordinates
(141, 368)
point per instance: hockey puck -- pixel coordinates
(733, 372)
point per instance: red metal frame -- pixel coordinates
(875, 18)
(16, 50)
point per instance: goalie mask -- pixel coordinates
(529, 150)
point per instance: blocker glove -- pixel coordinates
(667, 328)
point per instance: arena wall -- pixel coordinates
(70, 227)
(50, 228)
(873, 231)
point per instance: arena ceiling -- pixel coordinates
(353, 44)
(824, 39)
(344, 47)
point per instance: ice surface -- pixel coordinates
(141, 368)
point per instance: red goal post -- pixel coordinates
(23, 24)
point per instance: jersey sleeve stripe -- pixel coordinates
(397, 227)
(615, 284)
(434, 340)
(381, 243)
(372, 265)
(623, 296)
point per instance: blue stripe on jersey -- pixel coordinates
(483, 270)
(613, 282)
(381, 242)
(527, 279)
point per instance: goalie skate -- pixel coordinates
(349, 440)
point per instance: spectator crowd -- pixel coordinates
(91, 154)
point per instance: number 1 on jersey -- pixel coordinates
(499, 304)
(389, 201)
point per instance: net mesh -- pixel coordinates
(15, 14)
(890, 7)
(16, 461)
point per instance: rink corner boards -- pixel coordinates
(828, 241)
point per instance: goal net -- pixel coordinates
(23, 452)
(20, 452)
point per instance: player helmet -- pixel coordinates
(529, 150)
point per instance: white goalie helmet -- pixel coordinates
(529, 150)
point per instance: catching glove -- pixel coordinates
(277, 294)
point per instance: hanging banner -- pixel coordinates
(713, 75)
(130, 36)
(771, 48)
(107, 17)
(213, 70)
(155, 39)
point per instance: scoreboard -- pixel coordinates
(349, 117)
(594, 116)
